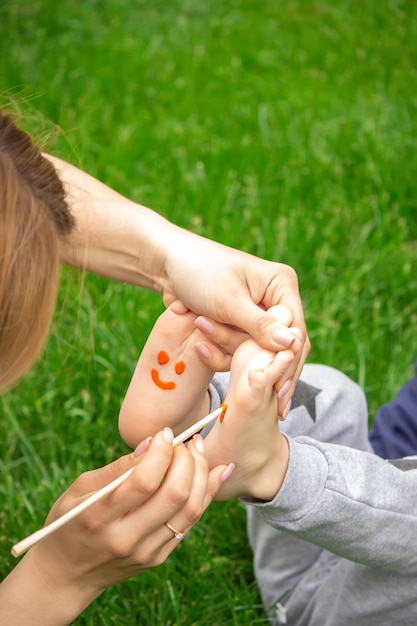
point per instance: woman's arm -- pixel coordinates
(127, 242)
(114, 237)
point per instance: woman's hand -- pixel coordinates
(116, 538)
(124, 241)
(221, 342)
(237, 289)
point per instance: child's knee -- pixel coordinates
(330, 407)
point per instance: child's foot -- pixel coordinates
(249, 435)
(169, 385)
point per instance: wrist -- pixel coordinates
(31, 596)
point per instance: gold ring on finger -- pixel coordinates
(177, 535)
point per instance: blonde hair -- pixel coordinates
(34, 216)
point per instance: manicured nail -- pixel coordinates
(286, 410)
(141, 447)
(285, 387)
(284, 337)
(168, 435)
(228, 472)
(205, 325)
(199, 443)
(202, 350)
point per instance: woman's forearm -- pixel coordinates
(124, 241)
(114, 237)
(26, 597)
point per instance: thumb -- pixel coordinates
(268, 328)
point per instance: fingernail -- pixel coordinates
(228, 472)
(168, 435)
(285, 387)
(141, 447)
(286, 410)
(199, 443)
(204, 325)
(283, 336)
(202, 350)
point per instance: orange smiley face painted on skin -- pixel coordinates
(163, 359)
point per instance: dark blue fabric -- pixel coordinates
(394, 432)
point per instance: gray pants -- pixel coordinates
(311, 585)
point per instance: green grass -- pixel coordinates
(287, 129)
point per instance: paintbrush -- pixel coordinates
(23, 545)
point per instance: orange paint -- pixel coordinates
(223, 413)
(163, 358)
(179, 368)
(160, 383)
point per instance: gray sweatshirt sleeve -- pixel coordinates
(350, 502)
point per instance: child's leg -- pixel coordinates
(328, 407)
(249, 435)
(169, 385)
(394, 431)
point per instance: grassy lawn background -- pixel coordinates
(287, 129)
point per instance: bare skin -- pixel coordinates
(147, 406)
(116, 538)
(125, 241)
(248, 437)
